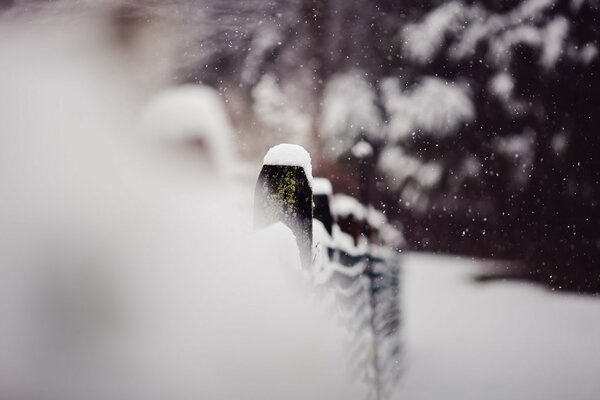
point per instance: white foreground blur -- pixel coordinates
(127, 275)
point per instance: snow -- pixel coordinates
(429, 174)
(521, 25)
(345, 242)
(502, 85)
(292, 155)
(375, 218)
(264, 40)
(349, 110)
(467, 42)
(187, 113)
(413, 176)
(555, 35)
(322, 186)
(362, 149)
(529, 10)
(575, 5)
(471, 166)
(496, 341)
(399, 167)
(559, 142)
(392, 237)
(423, 40)
(126, 275)
(279, 108)
(320, 235)
(589, 52)
(519, 150)
(343, 206)
(320, 260)
(434, 106)
(549, 39)
(501, 46)
(366, 306)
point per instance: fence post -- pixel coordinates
(284, 193)
(322, 192)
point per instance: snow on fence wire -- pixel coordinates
(361, 270)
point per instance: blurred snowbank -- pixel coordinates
(124, 274)
(191, 116)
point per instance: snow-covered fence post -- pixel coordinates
(322, 192)
(284, 193)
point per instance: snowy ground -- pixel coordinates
(499, 340)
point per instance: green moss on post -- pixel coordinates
(283, 193)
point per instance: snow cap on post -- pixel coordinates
(322, 186)
(291, 155)
(284, 193)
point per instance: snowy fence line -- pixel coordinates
(361, 271)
